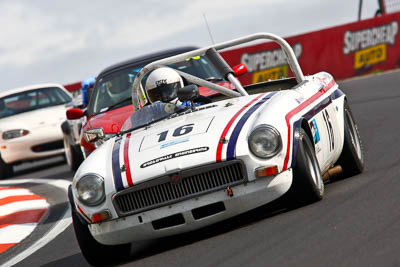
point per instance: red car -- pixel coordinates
(111, 101)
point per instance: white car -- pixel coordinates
(30, 124)
(171, 170)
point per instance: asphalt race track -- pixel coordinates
(356, 224)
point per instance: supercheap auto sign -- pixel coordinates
(370, 45)
(344, 51)
(268, 65)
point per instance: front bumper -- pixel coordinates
(192, 214)
(20, 149)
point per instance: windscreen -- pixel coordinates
(113, 90)
(31, 100)
(149, 114)
(198, 66)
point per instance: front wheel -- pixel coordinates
(6, 170)
(94, 252)
(73, 155)
(307, 186)
(352, 159)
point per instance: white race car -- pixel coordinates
(30, 119)
(173, 170)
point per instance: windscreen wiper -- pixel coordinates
(214, 79)
(120, 103)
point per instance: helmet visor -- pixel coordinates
(164, 92)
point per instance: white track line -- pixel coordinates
(16, 233)
(14, 192)
(58, 228)
(23, 205)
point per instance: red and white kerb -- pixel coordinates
(20, 212)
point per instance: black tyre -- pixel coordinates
(73, 155)
(307, 186)
(6, 170)
(352, 159)
(95, 253)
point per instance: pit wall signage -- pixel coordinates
(345, 51)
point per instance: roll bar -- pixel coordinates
(138, 94)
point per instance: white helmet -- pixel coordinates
(163, 84)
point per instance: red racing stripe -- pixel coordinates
(12, 199)
(296, 111)
(21, 217)
(228, 126)
(126, 160)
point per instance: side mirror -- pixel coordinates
(188, 92)
(240, 70)
(75, 113)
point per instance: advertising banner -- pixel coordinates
(344, 51)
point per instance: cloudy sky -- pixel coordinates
(67, 41)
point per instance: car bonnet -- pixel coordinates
(205, 136)
(35, 119)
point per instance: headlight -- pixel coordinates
(14, 133)
(265, 141)
(90, 190)
(97, 136)
(94, 134)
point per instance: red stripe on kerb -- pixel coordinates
(4, 247)
(126, 160)
(12, 199)
(21, 217)
(297, 110)
(228, 126)
(8, 188)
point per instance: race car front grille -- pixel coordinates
(179, 186)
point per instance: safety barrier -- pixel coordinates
(345, 51)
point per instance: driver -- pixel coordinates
(118, 87)
(162, 85)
